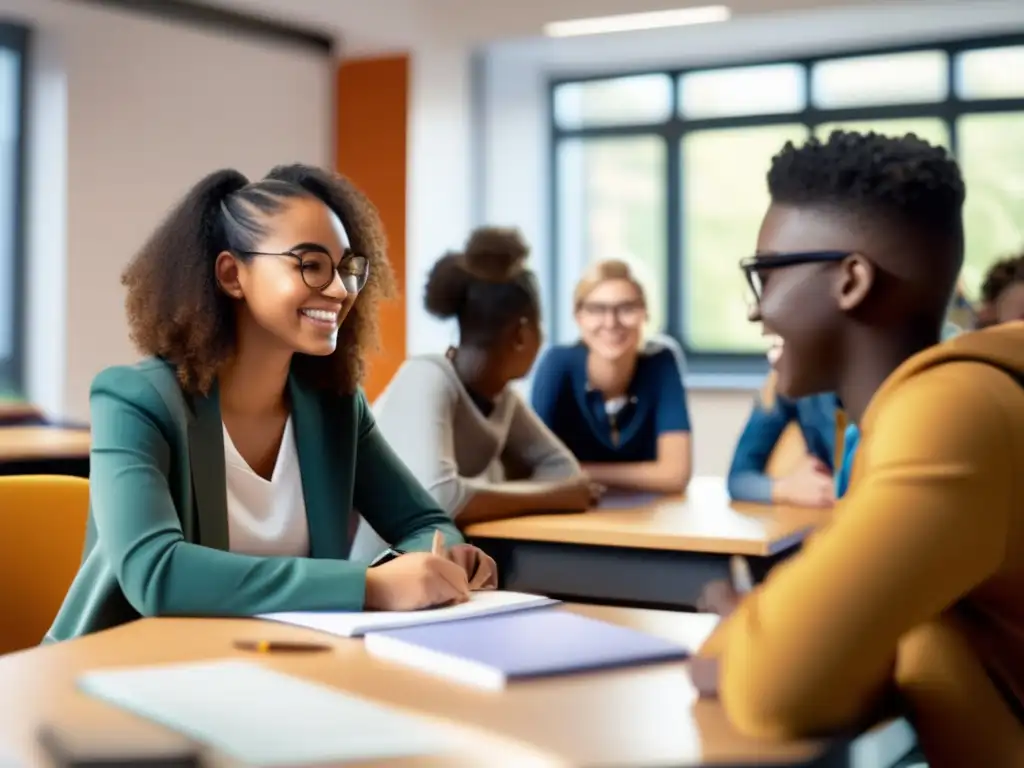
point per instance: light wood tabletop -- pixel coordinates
(704, 520)
(640, 716)
(41, 443)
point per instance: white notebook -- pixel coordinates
(266, 718)
(356, 624)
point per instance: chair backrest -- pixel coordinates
(42, 534)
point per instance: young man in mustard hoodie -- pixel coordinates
(914, 594)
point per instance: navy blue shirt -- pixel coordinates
(576, 413)
(816, 417)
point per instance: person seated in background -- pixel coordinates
(810, 482)
(911, 595)
(962, 315)
(225, 468)
(1002, 292)
(454, 418)
(619, 404)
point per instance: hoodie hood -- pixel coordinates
(1001, 346)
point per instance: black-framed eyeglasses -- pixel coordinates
(754, 267)
(317, 268)
(628, 313)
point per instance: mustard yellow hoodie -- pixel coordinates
(916, 587)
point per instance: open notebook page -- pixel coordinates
(356, 624)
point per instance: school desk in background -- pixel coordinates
(642, 552)
(44, 450)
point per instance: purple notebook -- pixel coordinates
(492, 650)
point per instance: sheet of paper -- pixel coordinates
(356, 624)
(266, 718)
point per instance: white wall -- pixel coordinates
(439, 178)
(128, 112)
(515, 122)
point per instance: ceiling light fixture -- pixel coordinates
(631, 22)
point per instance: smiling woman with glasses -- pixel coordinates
(227, 467)
(617, 402)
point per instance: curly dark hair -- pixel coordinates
(486, 287)
(901, 180)
(177, 311)
(1001, 276)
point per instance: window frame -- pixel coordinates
(12, 372)
(673, 131)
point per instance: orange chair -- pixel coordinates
(42, 535)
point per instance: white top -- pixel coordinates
(266, 517)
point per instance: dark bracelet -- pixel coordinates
(386, 556)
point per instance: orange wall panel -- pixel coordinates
(372, 118)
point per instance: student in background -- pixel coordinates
(1002, 292)
(962, 315)
(225, 468)
(454, 418)
(912, 595)
(810, 483)
(618, 404)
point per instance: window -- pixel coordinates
(12, 94)
(667, 170)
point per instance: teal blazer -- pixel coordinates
(157, 536)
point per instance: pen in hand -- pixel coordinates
(438, 549)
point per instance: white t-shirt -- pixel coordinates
(266, 517)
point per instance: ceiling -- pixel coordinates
(369, 26)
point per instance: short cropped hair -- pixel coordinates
(904, 181)
(1001, 276)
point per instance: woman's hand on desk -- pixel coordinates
(810, 485)
(579, 494)
(415, 581)
(480, 568)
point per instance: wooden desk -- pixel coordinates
(44, 450)
(656, 555)
(640, 716)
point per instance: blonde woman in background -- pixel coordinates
(617, 403)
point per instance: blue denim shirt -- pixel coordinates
(816, 417)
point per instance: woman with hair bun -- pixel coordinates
(453, 418)
(225, 468)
